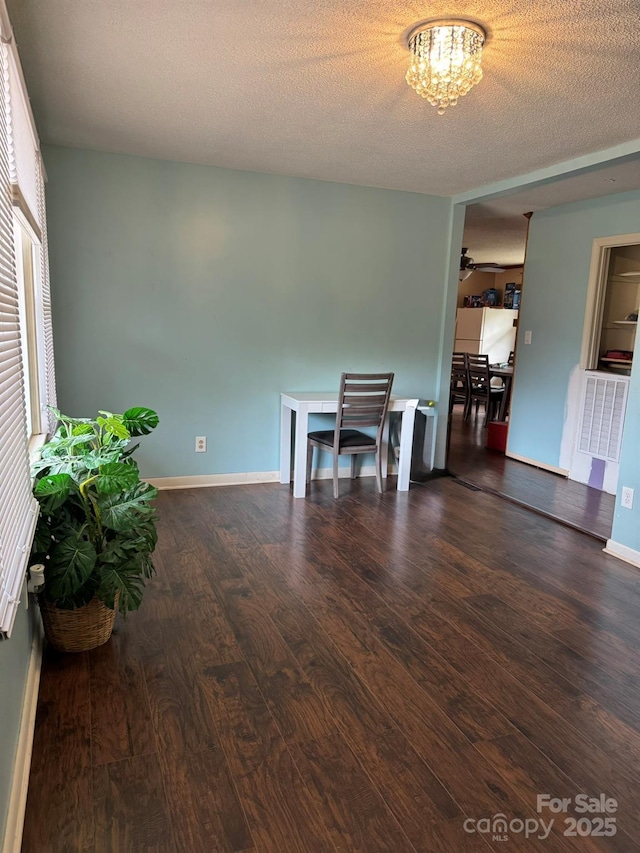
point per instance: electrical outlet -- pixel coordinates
(201, 444)
(527, 337)
(626, 498)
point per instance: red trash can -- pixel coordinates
(497, 435)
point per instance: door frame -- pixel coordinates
(598, 272)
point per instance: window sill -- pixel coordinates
(35, 443)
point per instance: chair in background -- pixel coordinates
(363, 402)
(459, 385)
(512, 358)
(479, 384)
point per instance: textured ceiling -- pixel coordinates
(496, 231)
(316, 87)
(492, 236)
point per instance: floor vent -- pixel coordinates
(469, 486)
(602, 421)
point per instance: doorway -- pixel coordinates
(478, 460)
(490, 286)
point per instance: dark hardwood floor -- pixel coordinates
(580, 506)
(356, 675)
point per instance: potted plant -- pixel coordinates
(97, 527)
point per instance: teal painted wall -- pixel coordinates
(553, 308)
(204, 292)
(14, 664)
(626, 523)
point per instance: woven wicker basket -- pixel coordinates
(77, 630)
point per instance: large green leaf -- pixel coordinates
(148, 568)
(84, 429)
(129, 451)
(53, 490)
(114, 552)
(80, 597)
(71, 564)
(67, 520)
(114, 425)
(61, 444)
(124, 511)
(116, 477)
(55, 466)
(94, 459)
(42, 540)
(140, 421)
(126, 579)
(146, 534)
(58, 414)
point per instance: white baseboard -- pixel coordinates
(622, 552)
(564, 472)
(201, 481)
(20, 783)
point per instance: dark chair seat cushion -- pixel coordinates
(348, 438)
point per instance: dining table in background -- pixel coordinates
(506, 374)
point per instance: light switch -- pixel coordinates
(527, 337)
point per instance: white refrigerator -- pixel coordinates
(486, 330)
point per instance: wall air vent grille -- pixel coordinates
(602, 422)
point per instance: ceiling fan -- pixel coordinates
(467, 266)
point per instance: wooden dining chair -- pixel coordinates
(459, 385)
(480, 389)
(363, 402)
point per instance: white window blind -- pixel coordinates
(18, 508)
(48, 372)
(23, 145)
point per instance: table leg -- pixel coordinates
(504, 403)
(433, 441)
(300, 453)
(433, 426)
(406, 445)
(285, 444)
(384, 450)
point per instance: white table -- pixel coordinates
(305, 403)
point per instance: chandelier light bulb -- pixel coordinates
(445, 61)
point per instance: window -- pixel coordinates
(26, 279)
(26, 347)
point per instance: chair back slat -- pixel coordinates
(367, 377)
(459, 361)
(480, 390)
(348, 414)
(365, 388)
(363, 400)
(459, 370)
(478, 374)
(458, 392)
(356, 423)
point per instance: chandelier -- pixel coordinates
(445, 61)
